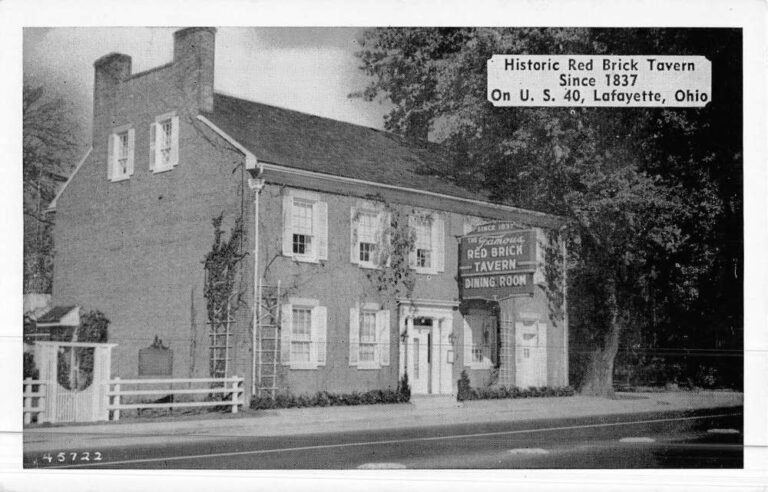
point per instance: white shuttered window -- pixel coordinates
(303, 334)
(164, 143)
(305, 226)
(428, 252)
(369, 336)
(120, 150)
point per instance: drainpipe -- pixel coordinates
(255, 184)
(565, 302)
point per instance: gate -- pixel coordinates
(76, 375)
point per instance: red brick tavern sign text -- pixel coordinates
(497, 261)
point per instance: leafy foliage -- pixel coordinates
(467, 392)
(221, 265)
(326, 399)
(48, 144)
(652, 195)
(394, 275)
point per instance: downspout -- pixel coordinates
(565, 303)
(255, 184)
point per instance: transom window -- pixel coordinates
(367, 336)
(302, 227)
(301, 334)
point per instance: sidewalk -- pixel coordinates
(422, 412)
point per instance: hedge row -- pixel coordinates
(325, 399)
(467, 392)
(499, 392)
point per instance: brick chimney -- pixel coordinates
(193, 57)
(110, 71)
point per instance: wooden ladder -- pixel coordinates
(268, 348)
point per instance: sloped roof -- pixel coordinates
(304, 141)
(57, 315)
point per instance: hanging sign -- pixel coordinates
(497, 261)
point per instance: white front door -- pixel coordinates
(420, 355)
(530, 354)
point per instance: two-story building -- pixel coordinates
(351, 277)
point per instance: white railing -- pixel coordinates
(34, 396)
(231, 388)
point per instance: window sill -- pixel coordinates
(303, 366)
(370, 266)
(120, 178)
(425, 271)
(162, 169)
(368, 366)
(479, 366)
(303, 259)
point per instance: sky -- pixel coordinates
(309, 69)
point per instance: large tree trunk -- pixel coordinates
(598, 377)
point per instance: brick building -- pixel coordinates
(322, 202)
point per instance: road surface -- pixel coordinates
(695, 439)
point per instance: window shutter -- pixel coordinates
(438, 242)
(110, 157)
(354, 335)
(412, 252)
(131, 147)
(354, 248)
(467, 342)
(152, 150)
(174, 141)
(287, 225)
(320, 228)
(319, 323)
(382, 329)
(286, 323)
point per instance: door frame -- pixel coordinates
(442, 314)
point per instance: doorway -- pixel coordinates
(426, 350)
(530, 353)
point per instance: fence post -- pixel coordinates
(116, 400)
(27, 414)
(235, 389)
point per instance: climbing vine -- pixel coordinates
(554, 276)
(221, 274)
(394, 277)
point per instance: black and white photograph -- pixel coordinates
(384, 248)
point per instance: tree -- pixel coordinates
(48, 143)
(644, 189)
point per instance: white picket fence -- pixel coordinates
(34, 400)
(120, 398)
(231, 387)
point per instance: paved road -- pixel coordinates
(701, 439)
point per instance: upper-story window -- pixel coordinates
(305, 226)
(164, 143)
(428, 251)
(368, 230)
(302, 227)
(120, 153)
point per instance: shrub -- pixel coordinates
(465, 391)
(403, 390)
(325, 399)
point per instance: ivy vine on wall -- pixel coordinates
(222, 268)
(394, 277)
